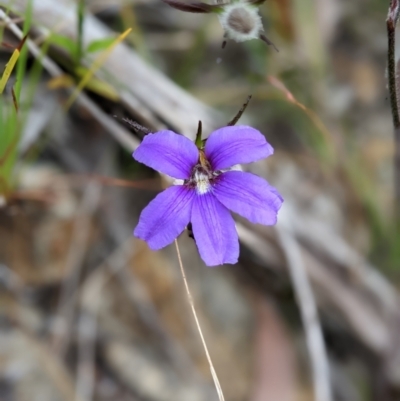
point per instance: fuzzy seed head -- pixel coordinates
(241, 22)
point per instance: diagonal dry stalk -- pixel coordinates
(391, 22)
(191, 302)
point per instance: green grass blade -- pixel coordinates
(21, 65)
(80, 20)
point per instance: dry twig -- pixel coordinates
(391, 22)
(189, 295)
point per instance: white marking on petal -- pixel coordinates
(236, 167)
(202, 183)
(178, 182)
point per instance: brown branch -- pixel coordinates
(194, 7)
(240, 112)
(268, 42)
(256, 2)
(393, 16)
(391, 22)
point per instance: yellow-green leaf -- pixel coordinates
(98, 45)
(64, 42)
(94, 67)
(11, 64)
(8, 69)
(103, 89)
(62, 81)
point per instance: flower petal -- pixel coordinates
(169, 153)
(165, 217)
(248, 195)
(214, 231)
(228, 146)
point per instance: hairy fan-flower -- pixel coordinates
(239, 18)
(208, 184)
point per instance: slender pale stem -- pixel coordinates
(190, 298)
(391, 22)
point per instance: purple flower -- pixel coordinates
(208, 184)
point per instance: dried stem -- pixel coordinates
(213, 372)
(194, 6)
(391, 22)
(240, 112)
(136, 126)
(268, 42)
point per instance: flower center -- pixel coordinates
(202, 176)
(202, 182)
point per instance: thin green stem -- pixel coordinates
(81, 17)
(21, 64)
(198, 141)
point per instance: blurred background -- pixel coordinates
(87, 312)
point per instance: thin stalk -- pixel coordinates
(190, 298)
(80, 20)
(391, 22)
(21, 64)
